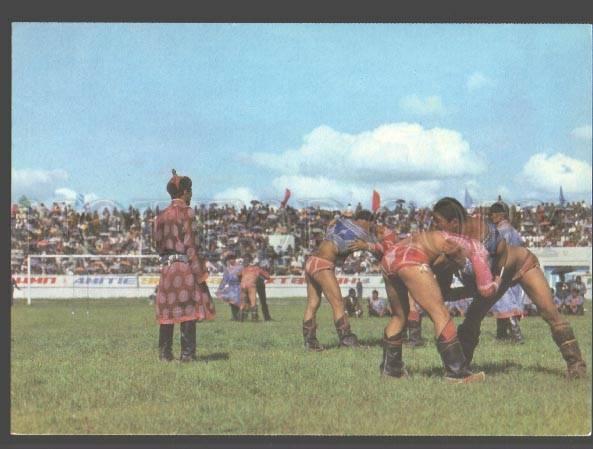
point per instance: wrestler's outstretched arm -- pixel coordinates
(478, 256)
(379, 248)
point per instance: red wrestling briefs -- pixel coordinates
(315, 264)
(403, 255)
(531, 261)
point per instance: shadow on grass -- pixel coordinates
(495, 368)
(488, 368)
(367, 343)
(363, 344)
(214, 357)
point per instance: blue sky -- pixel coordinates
(327, 110)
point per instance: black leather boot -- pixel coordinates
(254, 313)
(516, 335)
(469, 337)
(345, 334)
(166, 342)
(188, 341)
(310, 337)
(392, 364)
(502, 328)
(260, 286)
(234, 312)
(415, 334)
(455, 363)
(563, 335)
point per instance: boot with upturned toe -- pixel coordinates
(310, 337)
(347, 337)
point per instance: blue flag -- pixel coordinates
(79, 202)
(561, 198)
(468, 201)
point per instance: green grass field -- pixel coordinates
(91, 367)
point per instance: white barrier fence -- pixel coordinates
(131, 286)
(136, 286)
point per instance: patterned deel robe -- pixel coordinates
(180, 296)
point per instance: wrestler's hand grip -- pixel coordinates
(359, 245)
(490, 289)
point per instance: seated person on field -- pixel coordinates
(351, 304)
(378, 306)
(574, 304)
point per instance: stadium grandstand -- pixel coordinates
(279, 237)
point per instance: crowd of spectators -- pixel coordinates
(246, 229)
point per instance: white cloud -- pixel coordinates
(583, 133)
(66, 194)
(431, 105)
(234, 194)
(90, 197)
(548, 173)
(390, 153)
(343, 191)
(478, 80)
(36, 184)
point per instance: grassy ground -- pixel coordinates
(91, 367)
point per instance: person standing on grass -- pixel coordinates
(515, 265)
(508, 310)
(406, 267)
(260, 286)
(229, 289)
(320, 276)
(359, 290)
(249, 288)
(183, 296)
(13, 285)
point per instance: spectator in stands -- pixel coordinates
(377, 306)
(223, 228)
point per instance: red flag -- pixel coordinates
(376, 201)
(286, 197)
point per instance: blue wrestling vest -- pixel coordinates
(492, 239)
(490, 242)
(345, 231)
